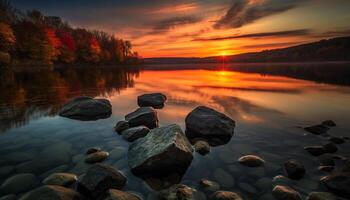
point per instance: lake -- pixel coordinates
(269, 110)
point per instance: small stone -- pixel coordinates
(294, 169)
(96, 157)
(225, 195)
(338, 183)
(329, 123)
(330, 148)
(121, 126)
(146, 116)
(177, 192)
(99, 178)
(315, 150)
(114, 194)
(61, 179)
(317, 129)
(285, 193)
(155, 100)
(18, 183)
(202, 147)
(251, 161)
(321, 196)
(134, 133)
(209, 185)
(326, 168)
(52, 192)
(337, 140)
(223, 178)
(93, 150)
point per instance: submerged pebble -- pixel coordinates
(18, 183)
(202, 147)
(251, 161)
(61, 179)
(285, 193)
(96, 157)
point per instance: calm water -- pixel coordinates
(268, 110)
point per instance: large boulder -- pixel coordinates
(98, 179)
(87, 108)
(52, 192)
(155, 100)
(146, 116)
(163, 150)
(338, 183)
(207, 123)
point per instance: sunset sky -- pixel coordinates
(200, 28)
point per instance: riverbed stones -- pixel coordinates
(61, 179)
(321, 196)
(18, 183)
(114, 194)
(134, 133)
(121, 126)
(317, 129)
(338, 183)
(294, 169)
(207, 123)
(98, 156)
(146, 116)
(86, 108)
(285, 193)
(251, 161)
(155, 152)
(52, 192)
(330, 147)
(223, 178)
(315, 150)
(329, 123)
(225, 195)
(202, 147)
(155, 100)
(337, 140)
(99, 178)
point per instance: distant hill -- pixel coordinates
(336, 49)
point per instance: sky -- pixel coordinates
(202, 28)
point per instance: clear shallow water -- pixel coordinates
(268, 110)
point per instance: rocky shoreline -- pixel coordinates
(160, 156)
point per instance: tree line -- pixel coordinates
(31, 38)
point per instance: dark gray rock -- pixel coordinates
(93, 150)
(207, 123)
(294, 169)
(146, 116)
(338, 183)
(96, 157)
(134, 133)
(330, 148)
(52, 192)
(87, 108)
(113, 194)
(225, 195)
(315, 150)
(121, 126)
(251, 161)
(317, 129)
(329, 123)
(155, 100)
(337, 140)
(285, 193)
(61, 179)
(98, 179)
(18, 183)
(202, 147)
(156, 152)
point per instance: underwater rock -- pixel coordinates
(338, 183)
(251, 161)
(225, 195)
(121, 126)
(146, 116)
(202, 147)
(18, 183)
(99, 178)
(114, 194)
(52, 192)
(315, 150)
(86, 108)
(96, 157)
(209, 124)
(155, 153)
(294, 169)
(61, 179)
(317, 129)
(285, 193)
(155, 100)
(134, 133)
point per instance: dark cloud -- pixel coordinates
(167, 24)
(297, 32)
(244, 12)
(269, 45)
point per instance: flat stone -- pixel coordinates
(223, 178)
(86, 108)
(96, 157)
(121, 126)
(338, 183)
(18, 183)
(315, 150)
(251, 161)
(207, 123)
(321, 196)
(155, 152)
(317, 129)
(61, 179)
(52, 192)
(330, 148)
(134, 133)
(225, 195)
(155, 100)
(337, 140)
(146, 116)
(285, 193)
(98, 179)
(329, 123)
(294, 169)
(202, 147)
(114, 194)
